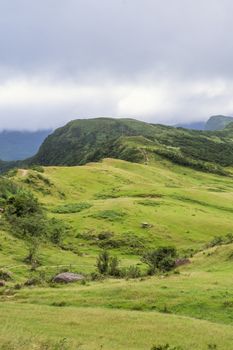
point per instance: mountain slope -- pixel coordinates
(193, 125)
(82, 141)
(218, 122)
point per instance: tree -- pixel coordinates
(27, 220)
(113, 269)
(103, 262)
(56, 230)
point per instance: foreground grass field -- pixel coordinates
(99, 328)
(105, 205)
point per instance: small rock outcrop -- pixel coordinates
(2, 283)
(5, 275)
(180, 262)
(68, 277)
(146, 225)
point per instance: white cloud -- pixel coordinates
(42, 102)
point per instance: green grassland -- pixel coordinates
(104, 205)
(185, 208)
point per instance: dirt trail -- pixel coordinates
(23, 172)
(146, 159)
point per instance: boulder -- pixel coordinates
(180, 262)
(68, 277)
(2, 283)
(146, 225)
(5, 275)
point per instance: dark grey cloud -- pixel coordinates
(156, 60)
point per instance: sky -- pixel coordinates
(162, 61)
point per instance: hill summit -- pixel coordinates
(218, 122)
(88, 140)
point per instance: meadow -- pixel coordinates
(125, 208)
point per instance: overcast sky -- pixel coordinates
(164, 61)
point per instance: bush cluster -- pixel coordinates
(162, 259)
(109, 266)
(220, 240)
(27, 220)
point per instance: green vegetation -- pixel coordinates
(113, 221)
(71, 208)
(91, 140)
(83, 141)
(162, 259)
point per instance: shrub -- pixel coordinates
(21, 204)
(162, 259)
(165, 347)
(56, 230)
(105, 235)
(5, 275)
(103, 262)
(33, 248)
(110, 215)
(28, 221)
(37, 168)
(131, 272)
(109, 243)
(148, 202)
(95, 276)
(71, 208)
(220, 240)
(113, 269)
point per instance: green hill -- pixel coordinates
(83, 141)
(60, 218)
(90, 140)
(104, 205)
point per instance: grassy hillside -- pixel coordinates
(104, 205)
(184, 207)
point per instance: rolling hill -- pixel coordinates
(83, 141)
(104, 204)
(128, 188)
(90, 140)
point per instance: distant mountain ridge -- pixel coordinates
(194, 125)
(218, 122)
(214, 123)
(18, 145)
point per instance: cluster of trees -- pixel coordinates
(27, 219)
(159, 260)
(185, 159)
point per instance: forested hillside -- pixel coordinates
(82, 141)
